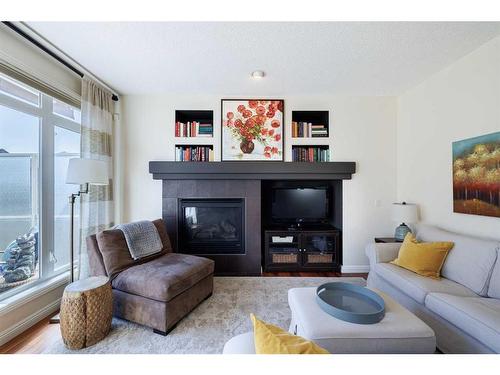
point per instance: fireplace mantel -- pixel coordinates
(251, 170)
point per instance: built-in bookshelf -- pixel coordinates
(196, 153)
(310, 136)
(193, 133)
(310, 124)
(194, 124)
(311, 153)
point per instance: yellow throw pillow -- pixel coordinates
(424, 258)
(270, 339)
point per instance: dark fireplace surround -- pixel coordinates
(224, 185)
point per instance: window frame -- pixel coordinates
(48, 121)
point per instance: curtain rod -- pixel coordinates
(35, 42)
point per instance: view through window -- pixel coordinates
(34, 245)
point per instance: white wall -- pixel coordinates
(363, 130)
(461, 101)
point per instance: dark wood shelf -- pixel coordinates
(252, 170)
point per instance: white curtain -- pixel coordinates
(97, 207)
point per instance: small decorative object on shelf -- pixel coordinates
(194, 153)
(311, 153)
(191, 124)
(310, 124)
(404, 213)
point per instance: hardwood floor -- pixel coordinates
(33, 340)
(43, 334)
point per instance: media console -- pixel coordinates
(302, 250)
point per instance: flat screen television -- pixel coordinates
(296, 205)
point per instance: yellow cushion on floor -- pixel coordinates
(270, 339)
(423, 258)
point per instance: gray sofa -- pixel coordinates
(463, 307)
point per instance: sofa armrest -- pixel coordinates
(382, 252)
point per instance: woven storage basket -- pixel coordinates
(86, 312)
(285, 258)
(320, 258)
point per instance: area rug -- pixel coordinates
(207, 328)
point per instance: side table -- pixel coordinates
(385, 240)
(86, 312)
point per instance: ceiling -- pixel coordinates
(347, 58)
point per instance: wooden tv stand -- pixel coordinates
(302, 250)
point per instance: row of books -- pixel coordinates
(194, 153)
(308, 130)
(310, 154)
(193, 129)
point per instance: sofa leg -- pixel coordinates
(158, 332)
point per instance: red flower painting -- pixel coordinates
(252, 129)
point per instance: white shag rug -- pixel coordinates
(207, 328)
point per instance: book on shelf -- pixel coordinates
(193, 129)
(194, 153)
(308, 130)
(310, 154)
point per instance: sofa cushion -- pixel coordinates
(115, 254)
(172, 274)
(423, 258)
(416, 286)
(270, 339)
(477, 316)
(494, 287)
(470, 261)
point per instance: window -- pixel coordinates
(34, 245)
(66, 146)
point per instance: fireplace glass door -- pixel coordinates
(211, 226)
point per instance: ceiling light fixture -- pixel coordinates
(258, 74)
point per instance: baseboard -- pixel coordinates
(356, 269)
(29, 321)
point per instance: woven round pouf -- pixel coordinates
(86, 312)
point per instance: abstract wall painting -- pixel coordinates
(476, 175)
(252, 129)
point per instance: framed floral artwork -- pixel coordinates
(252, 129)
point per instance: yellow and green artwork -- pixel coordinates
(476, 175)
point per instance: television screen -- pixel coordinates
(295, 204)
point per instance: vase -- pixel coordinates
(247, 146)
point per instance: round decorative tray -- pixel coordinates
(351, 303)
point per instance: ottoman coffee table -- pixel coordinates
(398, 332)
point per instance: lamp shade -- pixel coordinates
(404, 212)
(87, 171)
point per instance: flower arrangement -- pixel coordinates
(256, 121)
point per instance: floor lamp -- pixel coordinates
(83, 172)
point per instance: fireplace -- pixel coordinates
(212, 226)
